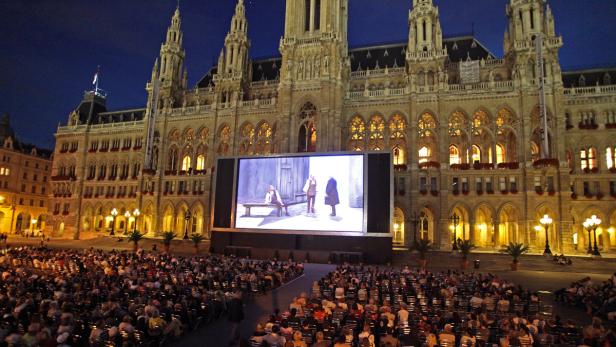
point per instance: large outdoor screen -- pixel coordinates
(313, 193)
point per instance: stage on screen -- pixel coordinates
(314, 193)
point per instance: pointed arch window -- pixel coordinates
(454, 155)
(376, 136)
(399, 155)
(500, 153)
(534, 150)
(247, 139)
(476, 154)
(186, 163)
(357, 129)
(224, 136)
(397, 125)
(307, 135)
(424, 154)
(172, 160)
(264, 139)
(200, 162)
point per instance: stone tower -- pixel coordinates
(315, 65)
(232, 75)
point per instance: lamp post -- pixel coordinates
(593, 223)
(127, 215)
(545, 222)
(136, 213)
(114, 214)
(588, 227)
(186, 219)
(455, 220)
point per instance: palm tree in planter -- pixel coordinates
(422, 247)
(515, 250)
(135, 236)
(168, 236)
(196, 239)
(465, 247)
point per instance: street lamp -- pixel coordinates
(546, 221)
(114, 214)
(593, 223)
(186, 219)
(455, 220)
(127, 216)
(136, 213)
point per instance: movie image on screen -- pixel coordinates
(314, 193)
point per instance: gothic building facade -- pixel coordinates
(465, 129)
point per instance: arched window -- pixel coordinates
(456, 123)
(426, 125)
(397, 126)
(172, 161)
(399, 155)
(200, 162)
(610, 157)
(357, 130)
(264, 139)
(224, 136)
(307, 136)
(476, 154)
(376, 135)
(186, 163)
(500, 154)
(454, 155)
(424, 154)
(247, 139)
(534, 150)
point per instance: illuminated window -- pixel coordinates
(426, 125)
(592, 158)
(247, 139)
(610, 157)
(534, 151)
(399, 155)
(500, 154)
(264, 139)
(396, 127)
(424, 154)
(476, 154)
(454, 155)
(186, 163)
(200, 162)
(357, 129)
(456, 122)
(376, 135)
(224, 137)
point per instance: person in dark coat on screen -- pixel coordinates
(331, 195)
(236, 316)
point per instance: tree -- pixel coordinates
(168, 236)
(135, 236)
(196, 239)
(515, 250)
(465, 247)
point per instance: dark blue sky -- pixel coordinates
(49, 49)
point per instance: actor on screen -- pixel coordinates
(273, 198)
(310, 188)
(331, 195)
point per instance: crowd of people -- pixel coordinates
(598, 299)
(373, 306)
(95, 298)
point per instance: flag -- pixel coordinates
(95, 80)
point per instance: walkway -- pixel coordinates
(257, 309)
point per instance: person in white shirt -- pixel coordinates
(273, 198)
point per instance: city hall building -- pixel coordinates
(498, 142)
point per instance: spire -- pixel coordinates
(234, 56)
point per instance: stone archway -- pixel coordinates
(398, 226)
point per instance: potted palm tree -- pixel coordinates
(168, 236)
(135, 236)
(422, 247)
(465, 247)
(196, 239)
(515, 250)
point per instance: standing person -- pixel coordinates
(310, 188)
(331, 195)
(273, 198)
(236, 316)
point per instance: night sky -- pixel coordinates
(49, 49)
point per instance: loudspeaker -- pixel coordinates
(379, 192)
(223, 199)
